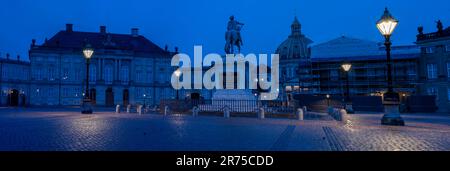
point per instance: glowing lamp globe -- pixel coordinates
(387, 24)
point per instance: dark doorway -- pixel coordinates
(195, 96)
(93, 96)
(109, 99)
(13, 98)
(126, 97)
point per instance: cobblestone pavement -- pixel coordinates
(56, 129)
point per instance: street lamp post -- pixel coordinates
(178, 74)
(347, 67)
(88, 51)
(328, 100)
(386, 25)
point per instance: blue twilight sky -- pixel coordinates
(185, 23)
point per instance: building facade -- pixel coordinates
(14, 81)
(125, 69)
(435, 65)
(295, 62)
(368, 72)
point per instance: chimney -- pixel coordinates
(103, 29)
(166, 48)
(135, 32)
(7, 56)
(69, 28)
(18, 57)
(33, 42)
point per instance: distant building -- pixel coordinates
(295, 62)
(368, 73)
(125, 69)
(435, 65)
(14, 81)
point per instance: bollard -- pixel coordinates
(117, 108)
(343, 115)
(300, 114)
(195, 111)
(261, 113)
(305, 109)
(166, 110)
(128, 108)
(139, 109)
(226, 112)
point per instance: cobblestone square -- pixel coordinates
(65, 129)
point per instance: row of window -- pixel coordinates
(108, 74)
(435, 91)
(431, 49)
(14, 72)
(432, 70)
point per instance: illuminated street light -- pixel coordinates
(347, 67)
(88, 51)
(391, 100)
(177, 74)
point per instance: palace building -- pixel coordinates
(125, 69)
(434, 67)
(14, 81)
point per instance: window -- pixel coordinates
(448, 94)
(433, 91)
(5, 73)
(139, 76)
(448, 69)
(65, 92)
(92, 74)
(431, 71)
(124, 73)
(38, 74)
(428, 50)
(51, 73)
(78, 74)
(65, 74)
(108, 74)
(334, 75)
(447, 48)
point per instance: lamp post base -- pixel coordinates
(393, 120)
(86, 107)
(392, 116)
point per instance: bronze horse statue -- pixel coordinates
(233, 38)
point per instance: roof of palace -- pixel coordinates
(296, 45)
(347, 48)
(69, 39)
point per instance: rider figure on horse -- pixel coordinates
(234, 27)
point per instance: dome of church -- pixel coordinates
(296, 46)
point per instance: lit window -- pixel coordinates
(431, 71)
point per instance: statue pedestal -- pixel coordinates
(238, 94)
(241, 101)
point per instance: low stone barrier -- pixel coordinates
(117, 108)
(300, 114)
(338, 114)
